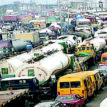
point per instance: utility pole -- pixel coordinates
(58, 3)
(32, 4)
(101, 5)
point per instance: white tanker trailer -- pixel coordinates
(98, 43)
(51, 47)
(68, 42)
(9, 66)
(42, 69)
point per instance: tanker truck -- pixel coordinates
(33, 37)
(89, 52)
(69, 42)
(52, 47)
(10, 47)
(64, 43)
(99, 46)
(46, 70)
(8, 66)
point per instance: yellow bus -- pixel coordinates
(76, 83)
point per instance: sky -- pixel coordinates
(2, 2)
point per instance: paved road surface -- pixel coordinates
(95, 101)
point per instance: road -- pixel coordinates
(95, 101)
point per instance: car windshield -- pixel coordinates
(103, 71)
(102, 67)
(43, 34)
(65, 98)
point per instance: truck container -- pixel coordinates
(10, 18)
(32, 36)
(42, 69)
(98, 43)
(19, 45)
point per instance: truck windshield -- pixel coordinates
(64, 85)
(105, 59)
(16, 84)
(75, 84)
(43, 34)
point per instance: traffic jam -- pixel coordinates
(58, 59)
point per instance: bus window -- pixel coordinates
(75, 84)
(64, 85)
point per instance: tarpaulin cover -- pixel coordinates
(84, 54)
(50, 20)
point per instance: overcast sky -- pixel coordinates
(2, 2)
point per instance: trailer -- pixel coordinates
(24, 90)
(32, 36)
(84, 62)
(8, 97)
(10, 18)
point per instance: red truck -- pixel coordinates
(10, 18)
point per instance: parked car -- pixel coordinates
(104, 103)
(102, 68)
(69, 101)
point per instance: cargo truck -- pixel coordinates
(11, 97)
(23, 90)
(10, 18)
(89, 52)
(31, 36)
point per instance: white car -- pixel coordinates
(104, 103)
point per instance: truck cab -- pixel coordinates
(86, 55)
(84, 49)
(104, 58)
